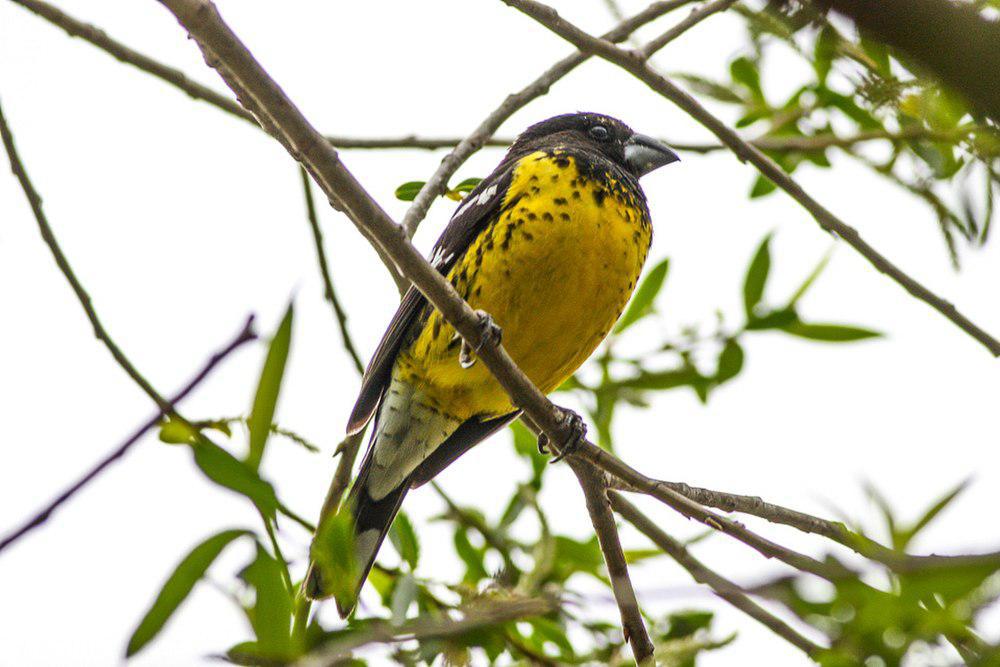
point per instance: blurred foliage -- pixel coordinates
(865, 100)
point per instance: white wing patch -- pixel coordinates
(482, 198)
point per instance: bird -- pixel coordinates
(549, 248)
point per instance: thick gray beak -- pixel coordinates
(644, 154)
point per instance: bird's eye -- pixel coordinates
(599, 132)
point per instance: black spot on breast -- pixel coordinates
(479, 290)
(599, 196)
(555, 177)
(576, 194)
(528, 236)
(533, 179)
(560, 201)
(547, 216)
(564, 217)
(562, 162)
(532, 216)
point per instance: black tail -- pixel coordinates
(372, 520)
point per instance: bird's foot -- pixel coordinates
(490, 334)
(577, 434)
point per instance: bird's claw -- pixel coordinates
(490, 334)
(577, 434)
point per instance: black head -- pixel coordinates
(596, 132)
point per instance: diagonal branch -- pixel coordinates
(245, 335)
(595, 492)
(634, 62)
(35, 201)
(437, 184)
(723, 587)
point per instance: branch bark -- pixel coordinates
(595, 492)
(634, 63)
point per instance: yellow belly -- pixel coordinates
(555, 271)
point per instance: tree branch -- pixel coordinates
(97, 37)
(634, 63)
(724, 588)
(35, 201)
(437, 184)
(324, 268)
(245, 335)
(596, 494)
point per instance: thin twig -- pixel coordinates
(245, 335)
(35, 201)
(97, 37)
(723, 587)
(437, 184)
(324, 268)
(766, 143)
(165, 406)
(595, 493)
(635, 64)
(694, 18)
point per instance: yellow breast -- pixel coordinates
(555, 271)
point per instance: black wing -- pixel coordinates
(483, 204)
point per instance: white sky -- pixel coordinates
(180, 220)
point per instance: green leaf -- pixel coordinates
(756, 277)
(404, 540)
(403, 596)
(526, 445)
(475, 570)
(659, 380)
(709, 88)
(776, 319)
(226, 470)
(333, 554)
(271, 614)
(810, 279)
(906, 536)
(730, 361)
(642, 302)
(178, 586)
(174, 432)
(744, 72)
(762, 186)
(468, 185)
(268, 388)
(408, 191)
(830, 333)
(825, 51)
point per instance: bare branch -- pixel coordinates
(635, 64)
(438, 182)
(35, 201)
(596, 494)
(245, 335)
(767, 143)
(100, 39)
(724, 588)
(328, 292)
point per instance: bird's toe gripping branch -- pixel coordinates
(576, 430)
(490, 334)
